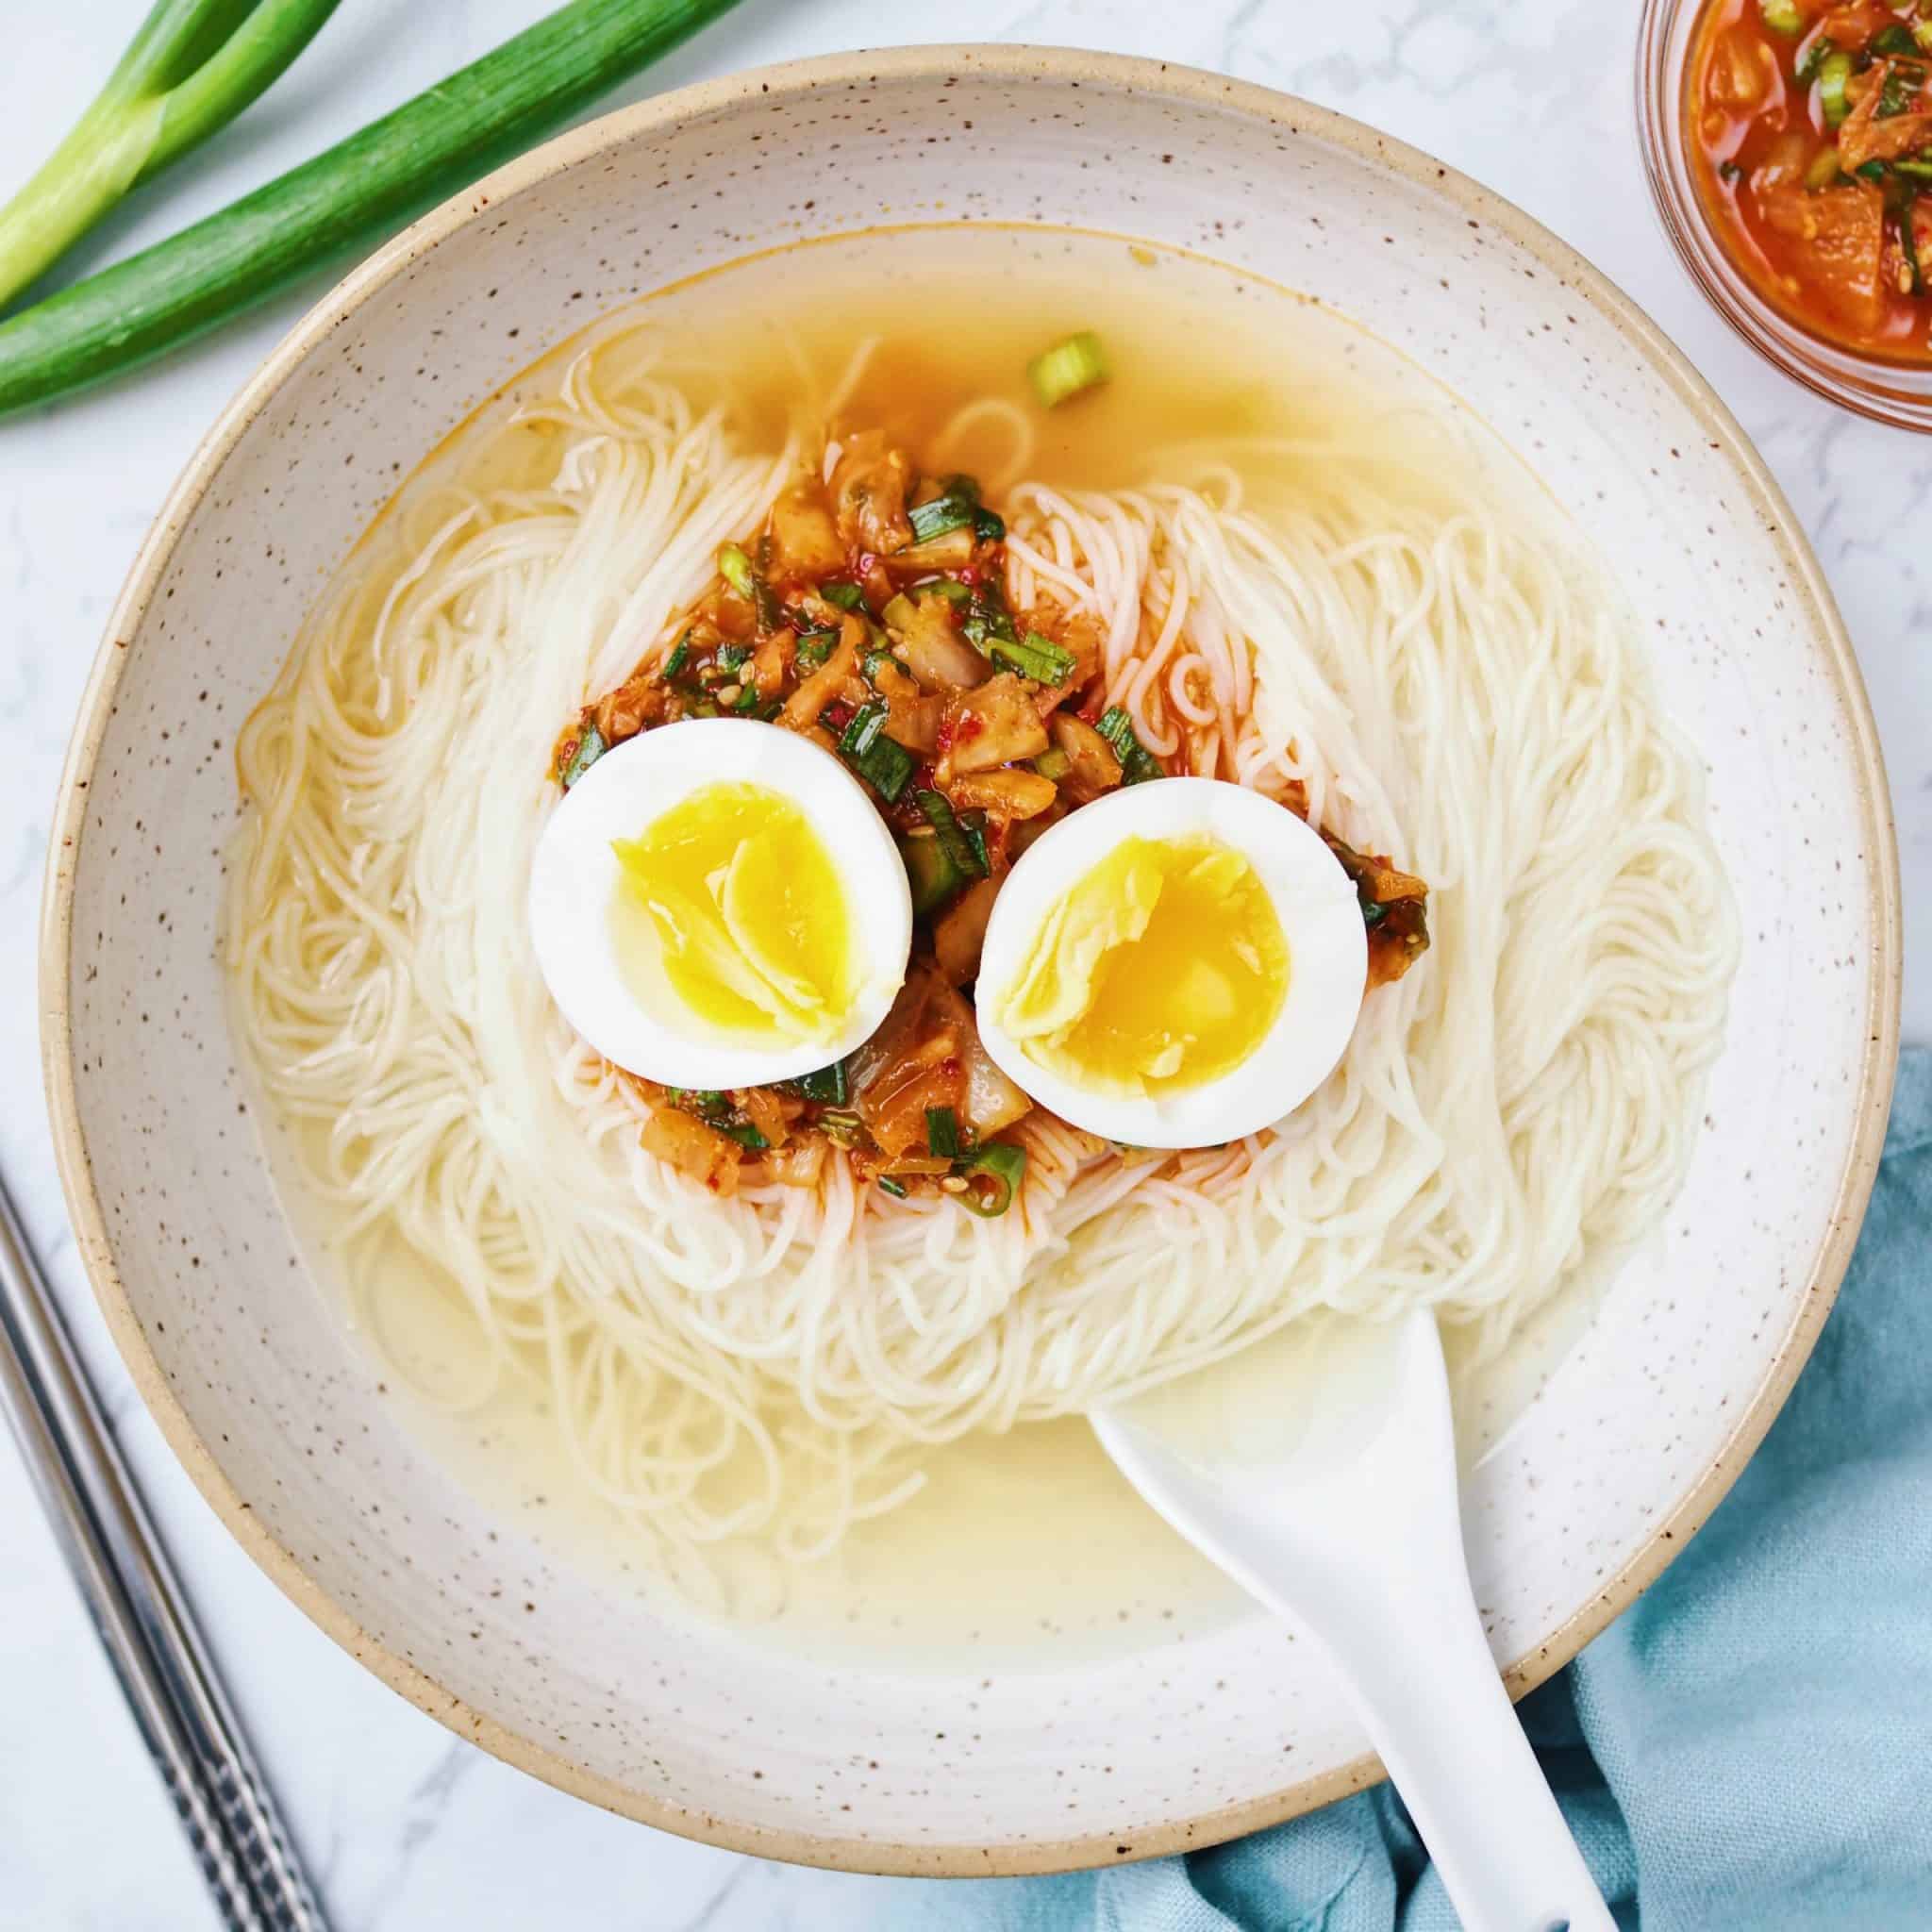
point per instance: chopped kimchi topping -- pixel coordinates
(870, 615)
(1809, 128)
(1836, 243)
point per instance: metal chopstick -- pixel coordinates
(139, 1608)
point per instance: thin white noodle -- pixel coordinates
(844, 389)
(948, 451)
(1437, 684)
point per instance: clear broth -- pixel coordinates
(1025, 1548)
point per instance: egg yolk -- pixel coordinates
(1162, 969)
(731, 902)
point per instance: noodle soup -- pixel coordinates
(785, 1363)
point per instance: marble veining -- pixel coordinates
(404, 1825)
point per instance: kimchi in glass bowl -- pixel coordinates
(1789, 145)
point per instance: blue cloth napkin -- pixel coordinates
(1747, 1749)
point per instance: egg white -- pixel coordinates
(574, 873)
(1320, 920)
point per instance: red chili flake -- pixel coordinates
(970, 576)
(965, 731)
(837, 715)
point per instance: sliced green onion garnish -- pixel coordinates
(1908, 243)
(986, 618)
(933, 876)
(1034, 656)
(699, 1100)
(1918, 166)
(590, 747)
(703, 708)
(1871, 171)
(1811, 59)
(993, 1175)
(1833, 72)
(1053, 763)
(867, 722)
(680, 658)
(1782, 16)
(1137, 763)
(886, 765)
(844, 596)
(747, 698)
(895, 1189)
(975, 837)
(877, 661)
(1895, 39)
(951, 511)
(953, 842)
(1067, 368)
(815, 646)
(1823, 170)
(744, 1134)
(942, 1132)
(828, 1086)
(734, 566)
(844, 1127)
(989, 527)
(731, 657)
(1901, 84)
(951, 588)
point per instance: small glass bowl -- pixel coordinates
(1887, 390)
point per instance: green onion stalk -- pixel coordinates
(191, 69)
(349, 197)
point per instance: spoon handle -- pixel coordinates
(1425, 1684)
(1343, 1517)
(1371, 1564)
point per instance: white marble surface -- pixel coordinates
(404, 1825)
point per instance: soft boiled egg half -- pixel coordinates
(718, 904)
(1175, 965)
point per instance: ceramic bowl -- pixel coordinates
(276, 1413)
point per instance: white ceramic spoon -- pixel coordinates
(1318, 1469)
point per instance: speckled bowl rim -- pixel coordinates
(1186, 88)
